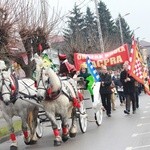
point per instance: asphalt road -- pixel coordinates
(119, 132)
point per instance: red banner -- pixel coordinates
(117, 56)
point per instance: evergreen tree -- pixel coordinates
(109, 31)
(82, 32)
(75, 25)
(74, 34)
(91, 32)
(126, 32)
(107, 23)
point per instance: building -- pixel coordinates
(145, 50)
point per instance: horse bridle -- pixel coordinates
(3, 84)
(43, 85)
(49, 93)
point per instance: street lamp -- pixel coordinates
(120, 27)
(135, 30)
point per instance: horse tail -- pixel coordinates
(32, 120)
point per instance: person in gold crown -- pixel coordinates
(83, 71)
(88, 78)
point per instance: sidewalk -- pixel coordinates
(0, 114)
(4, 124)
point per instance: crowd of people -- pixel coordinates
(117, 84)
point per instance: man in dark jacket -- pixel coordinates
(105, 90)
(129, 88)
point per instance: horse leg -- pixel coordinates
(65, 130)
(57, 140)
(12, 134)
(32, 123)
(34, 126)
(73, 129)
(25, 130)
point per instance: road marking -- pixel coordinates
(128, 148)
(141, 124)
(138, 147)
(147, 107)
(144, 117)
(144, 112)
(137, 134)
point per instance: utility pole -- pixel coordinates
(120, 27)
(99, 28)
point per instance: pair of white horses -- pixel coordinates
(56, 97)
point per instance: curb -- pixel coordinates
(7, 137)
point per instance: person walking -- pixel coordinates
(119, 88)
(137, 94)
(129, 88)
(105, 90)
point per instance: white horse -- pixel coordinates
(58, 98)
(12, 105)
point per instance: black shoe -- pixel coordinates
(126, 112)
(134, 112)
(109, 115)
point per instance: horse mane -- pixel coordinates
(2, 65)
(55, 81)
(6, 74)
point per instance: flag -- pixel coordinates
(47, 62)
(92, 70)
(137, 69)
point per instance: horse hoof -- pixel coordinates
(65, 137)
(72, 135)
(57, 143)
(13, 147)
(27, 143)
(32, 142)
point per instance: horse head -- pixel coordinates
(48, 83)
(7, 86)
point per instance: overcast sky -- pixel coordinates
(139, 12)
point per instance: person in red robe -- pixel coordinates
(66, 69)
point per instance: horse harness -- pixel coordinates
(12, 88)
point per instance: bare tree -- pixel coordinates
(35, 27)
(28, 22)
(7, 21)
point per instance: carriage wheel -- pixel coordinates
(83, 118)
(99, 116)
(39, 129)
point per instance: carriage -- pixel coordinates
(88, 112)
(66, 95)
